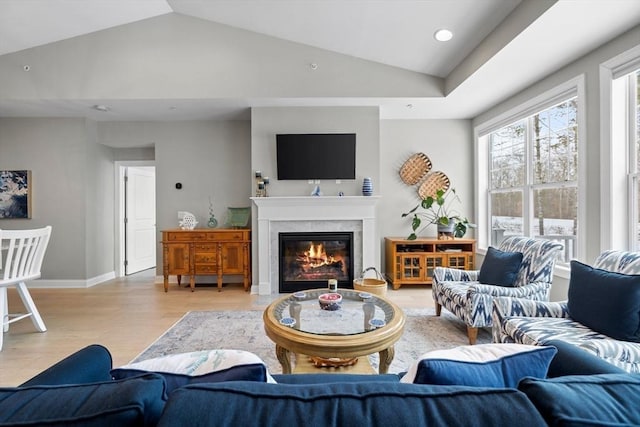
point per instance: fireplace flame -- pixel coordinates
(316, 257)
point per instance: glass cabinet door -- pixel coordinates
(411, 267)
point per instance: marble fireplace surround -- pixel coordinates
(311, 214)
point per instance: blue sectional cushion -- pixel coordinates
(136, 401)
(500, 268)
(346, 404)
(483, 365)
(200, 367)
(586, 400)
(573, 360)
(90, 364)
(604, 301)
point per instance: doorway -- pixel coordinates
(136, 218)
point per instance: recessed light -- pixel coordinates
(100, 107)
(443, 35)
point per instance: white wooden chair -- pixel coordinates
(21, 255)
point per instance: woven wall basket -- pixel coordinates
(415, 168)
(435, 181)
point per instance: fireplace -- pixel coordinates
(309, 259)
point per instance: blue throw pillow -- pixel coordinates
(586, 400)
(483, 365)
(606, 302)
(500, 268)
(132, 402)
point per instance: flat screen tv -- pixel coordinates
(316, 156)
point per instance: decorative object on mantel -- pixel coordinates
(238, 217)
(15, 194)
(213, 222)
(261, 184)
(367, 187)
(316, 191)
(188, 221)
(438, 210)
(415, 168)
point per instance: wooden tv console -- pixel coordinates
(411, 262)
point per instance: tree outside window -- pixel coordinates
(533, 177)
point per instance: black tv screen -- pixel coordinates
(316, 156)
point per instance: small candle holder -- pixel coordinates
(261, 184)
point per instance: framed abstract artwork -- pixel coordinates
(15, 194)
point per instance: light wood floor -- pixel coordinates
(126, 316)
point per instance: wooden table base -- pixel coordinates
(304, 365)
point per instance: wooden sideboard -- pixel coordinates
(411, 262)
(206, 252)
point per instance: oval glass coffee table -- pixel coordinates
(364, 324)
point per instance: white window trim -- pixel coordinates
(574, 87)
(615, 131)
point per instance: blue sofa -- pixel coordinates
(79, 391)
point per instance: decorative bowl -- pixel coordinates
(364, 296)
(288, 321)
(331, 301)
(299, 295)
(377, 323)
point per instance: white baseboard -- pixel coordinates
(75, 284)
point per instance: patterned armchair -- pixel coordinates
(536, 323)
(460, 292)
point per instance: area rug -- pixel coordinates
(244, 330)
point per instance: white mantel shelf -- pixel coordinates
(271, 211)
(315, 201)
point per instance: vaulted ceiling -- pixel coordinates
(513, 42)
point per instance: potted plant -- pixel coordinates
(438, 210)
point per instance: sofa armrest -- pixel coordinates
(505, 308)
(446, 274)
(527, 291)
(90, 364)
(516, 307)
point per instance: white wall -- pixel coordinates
(363, 121)
(99, 211)
(209, 159)
(447, 143)
(70, 189)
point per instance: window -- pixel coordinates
(533, 184)
(634, 164)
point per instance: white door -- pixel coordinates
(140, 219)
